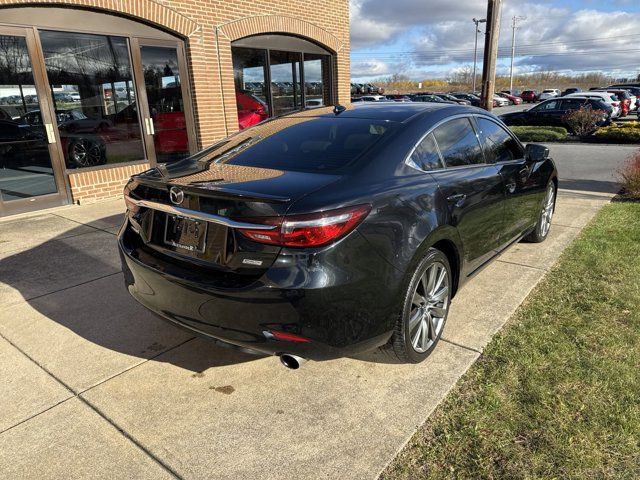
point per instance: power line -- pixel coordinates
(501, 54)
(539, 44)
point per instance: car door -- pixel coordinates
(471, 189)
(547, 113)
(523, 185)
(569, 105)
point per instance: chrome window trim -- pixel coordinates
(411, 164)
(205, 217)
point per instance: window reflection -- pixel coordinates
(25, 164)
(275, 82)
(316, 80)
(249, 73)
(164, 94)
(94, 97)
(285, 81)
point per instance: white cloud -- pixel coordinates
(422, 35)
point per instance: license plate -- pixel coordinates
(185, 233)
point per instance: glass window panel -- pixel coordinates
(458, 143)
(249, 74)
(499, 145)
(285, 82)
(166, 105)
(94, 96)
(317, 80)
(25, 164)
(426, 155)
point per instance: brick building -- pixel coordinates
(93, 91)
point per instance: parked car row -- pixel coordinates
(365, 89)
(624, 98)
(459, 98)
(553, 112)
(283, 88)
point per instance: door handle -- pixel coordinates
(457, 199)
(51, 137)
(148, 123)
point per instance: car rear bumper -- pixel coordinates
(339, 314)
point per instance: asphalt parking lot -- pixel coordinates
(95, 386)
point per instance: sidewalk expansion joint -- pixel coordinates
(567, 226)
(79, 396)
(84, 224)
(522, 265)
(471, 349)
(27, 300)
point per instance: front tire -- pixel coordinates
(543, 226)
(425, 309)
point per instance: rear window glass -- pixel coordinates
(309, 145)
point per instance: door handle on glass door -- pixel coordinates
(148, 123)
(51, 137)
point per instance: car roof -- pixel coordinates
(391, 111)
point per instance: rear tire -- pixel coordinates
(425, 309)
(547, 209)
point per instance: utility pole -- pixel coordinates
(475, 50)
(490, 53)
(514, 27)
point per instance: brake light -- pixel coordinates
(309, 230)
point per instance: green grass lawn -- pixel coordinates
(557, 393)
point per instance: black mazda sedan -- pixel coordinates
(330, 232)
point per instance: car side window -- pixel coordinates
(572, 104)
(499, 145)
(550, 105)
(426, 155)
(458, 143)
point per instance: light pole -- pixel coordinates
(475, 50)
(514, 26)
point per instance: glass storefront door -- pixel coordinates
(29, 176)
(166, 122)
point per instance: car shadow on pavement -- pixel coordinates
(75, 280)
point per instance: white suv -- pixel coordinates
(549, 93)
(606, 97)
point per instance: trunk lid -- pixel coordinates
(188, 212)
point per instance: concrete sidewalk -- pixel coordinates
(94, 386)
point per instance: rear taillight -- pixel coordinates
(309, 230)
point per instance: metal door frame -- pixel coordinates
(47, 112)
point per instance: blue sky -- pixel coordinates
(433, 38)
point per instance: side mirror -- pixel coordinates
(536, 153)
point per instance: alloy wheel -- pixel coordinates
(429, 306)
(547, 210)
(86, 153)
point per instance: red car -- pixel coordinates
(625, 99)
(529, 96)
(251, 110)
(512, 98)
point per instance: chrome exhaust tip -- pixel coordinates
(292, 361)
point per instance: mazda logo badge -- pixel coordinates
(176, 195)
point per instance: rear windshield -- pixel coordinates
(310, 145)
